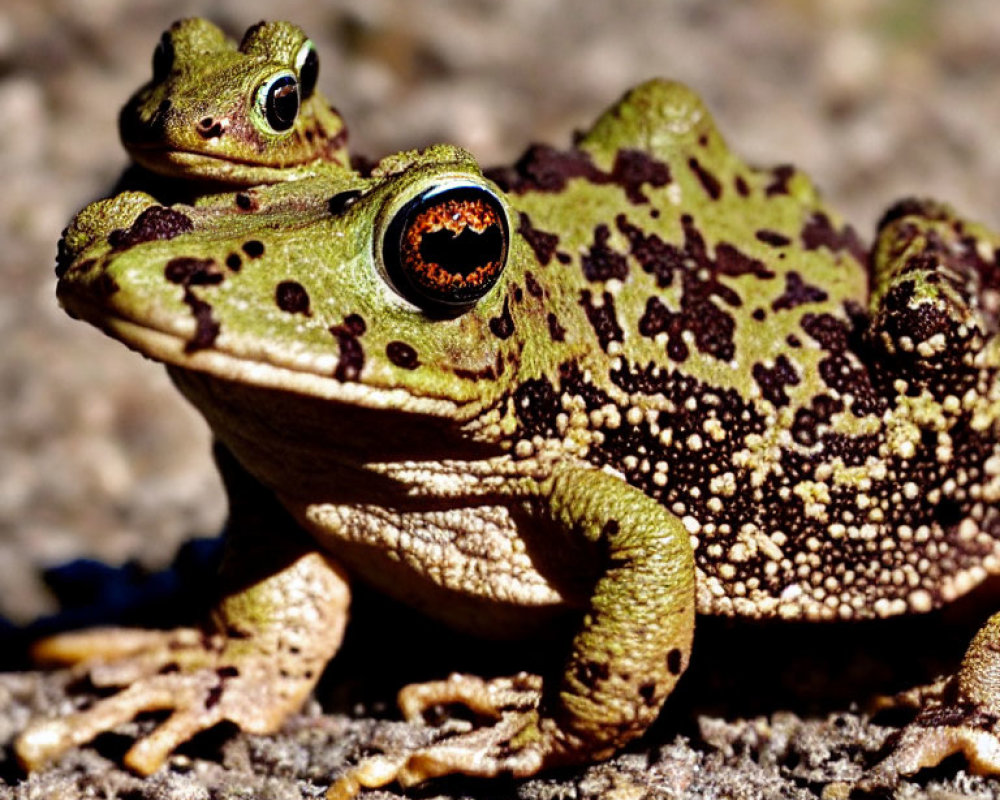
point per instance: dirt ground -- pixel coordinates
(99, 458)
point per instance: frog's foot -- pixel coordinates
(201, 678)
(944, 727)
(518, 743)
(488, 698)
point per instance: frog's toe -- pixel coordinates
(108, 644)
(45, 740)
(187, 672)
(936, 734)
(490, 698)
(515, 745)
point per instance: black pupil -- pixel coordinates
(282, 103)
(465, 253)
(449, 267)
(308, 74)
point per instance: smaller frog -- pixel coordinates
(219, 113)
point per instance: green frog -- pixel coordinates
(601, 390)
(228, 115)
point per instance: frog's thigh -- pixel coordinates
(959, 715)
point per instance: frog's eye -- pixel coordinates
(278, 101)
(163, 58)
(307, 65)
(447, 246)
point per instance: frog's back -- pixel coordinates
(697, 325)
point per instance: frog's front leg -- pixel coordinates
(632, 646)
(281, 618)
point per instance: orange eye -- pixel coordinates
(447, 247)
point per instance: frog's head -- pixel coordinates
(237, 115)
(391, 291)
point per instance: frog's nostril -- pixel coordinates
(209, 128)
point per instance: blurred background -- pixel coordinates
(99, 457)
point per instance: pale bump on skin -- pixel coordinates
(679, 395)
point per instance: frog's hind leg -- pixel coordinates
(934, 302)
(960, 714)
(934, 308)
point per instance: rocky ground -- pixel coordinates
(876, 99)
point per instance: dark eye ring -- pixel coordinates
(447, 246)
(278, 101)
(307, 66)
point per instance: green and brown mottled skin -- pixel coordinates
(690, 389)
(202, 116)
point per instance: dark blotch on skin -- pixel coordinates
(542, 244)
(155, 223)
(206, 328)
(352, 354)
(773, 380)
(633, 168)
(675, 661)
(245, 202)
(797, 292)
(234, 262)
(699, 313)
(602, 318)
(838, 370)
(532, 285)
(253, 248)
(820, 232)
(707, 180)
(402, 355)
(782, 174)
(187, 271)
(772, 238)
(648, 693)
(537, 405)
(545, 169)
(602, 263)
(355, 324)
(292, 298)
(556, 331)
(503, 326)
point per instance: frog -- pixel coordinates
(598, 392)
(217, 114)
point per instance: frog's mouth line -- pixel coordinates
(172, 348)
(182, 163)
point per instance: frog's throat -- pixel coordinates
(174, 350)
